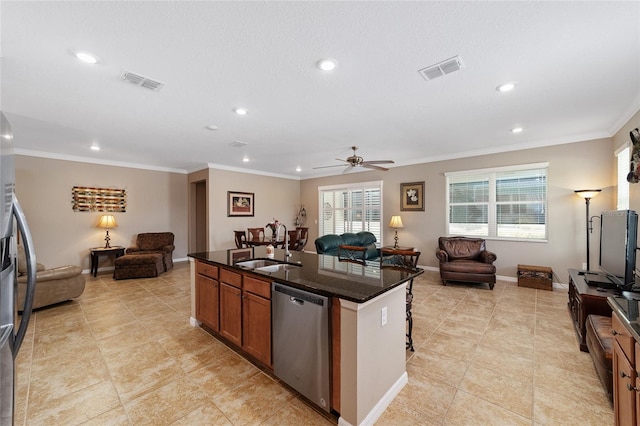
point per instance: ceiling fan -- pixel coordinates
(357, 161)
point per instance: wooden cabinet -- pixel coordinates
(237, 306)
(256, 319)
(625, 397)
(231, 306)
(207, 295)
(585, 300)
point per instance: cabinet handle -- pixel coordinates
(631, 388)
(615, 333)
(623, 374)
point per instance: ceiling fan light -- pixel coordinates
(327, 64)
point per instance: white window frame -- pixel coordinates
(623, 158)
(490, 174)
(351, 187)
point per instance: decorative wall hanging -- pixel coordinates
(412, 196)
(239, 203)
(89, 199)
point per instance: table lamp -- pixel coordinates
(588, 194)
(396, 222)
(107, 221)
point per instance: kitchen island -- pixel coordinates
(367, 320)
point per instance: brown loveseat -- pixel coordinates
(155, 242)
(466, 259)
(53, 285)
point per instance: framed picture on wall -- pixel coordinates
(239, 203)
(412, 196)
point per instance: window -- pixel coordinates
(351, 208)
(506, 202)
(623, 155)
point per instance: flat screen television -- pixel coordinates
(618, 243)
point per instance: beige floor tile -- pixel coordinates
(467, 409)
(141, 369)
(166, 404)
(205, 415)
(225, 375)
(253, 401)
(500, 389)
(296, 412)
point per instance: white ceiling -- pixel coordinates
(577, 65)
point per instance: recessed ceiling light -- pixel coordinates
(298, 169)
(517, 130)
(245, 159)
(211, 127)
(241, 111)
(507, 87)
(95, 148)
(327, 64)
(7, 136)
(87, 57)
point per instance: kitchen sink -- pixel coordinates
(257, 263)
(277, 267)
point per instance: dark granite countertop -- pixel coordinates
(627, 308)
(320, 274)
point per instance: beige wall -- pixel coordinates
(274, 197)
(571, 166)
(156, 201)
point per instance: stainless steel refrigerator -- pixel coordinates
(12, 224)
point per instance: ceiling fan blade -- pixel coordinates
(368, 165)
(325, 167)
(378, 162)
(348, 169)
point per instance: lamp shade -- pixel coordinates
(107, 221)
(396, 222)
(587, 193)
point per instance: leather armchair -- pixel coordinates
(155, 242)
(53, 285)
(467, 260)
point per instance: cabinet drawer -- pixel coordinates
(207, 270)
(231, 278)
(623, 337)
(256, 286)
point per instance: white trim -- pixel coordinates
(194, 322)
(624, 146)
(50, 155)
(250, 171)
(382, 404)
(500, 169)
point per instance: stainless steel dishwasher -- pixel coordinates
(301, 342)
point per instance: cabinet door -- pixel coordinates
(231, 313)
(256, 329)
(207, 301)
(624, 400)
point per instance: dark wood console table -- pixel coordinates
(103, 251)
(585, 300)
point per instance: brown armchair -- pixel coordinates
(466, 259)
(155, 242)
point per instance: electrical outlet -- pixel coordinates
(584, 266)
(383, 317)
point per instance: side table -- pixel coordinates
(102, 251)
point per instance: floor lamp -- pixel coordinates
(588, 194)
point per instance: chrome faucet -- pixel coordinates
(287, 253)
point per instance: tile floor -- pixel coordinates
(124, 354)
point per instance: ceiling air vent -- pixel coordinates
(445, 67)
(238, 144)
(141, 81)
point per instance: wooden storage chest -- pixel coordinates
(538, 277)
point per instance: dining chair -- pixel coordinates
(256, 234)
(240, 238)
(407, 260)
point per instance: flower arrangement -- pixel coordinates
(274, 226)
